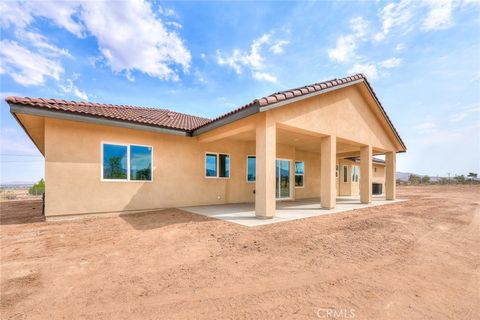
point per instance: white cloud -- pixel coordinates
(427, 15)
(277, 47)
(368, 69)
(129, 34)
(263, 76)
(440, 15)
(426, 126)
(468, 111)
(346, 45)
(359, 26)
(174, 24)
(253, 60)
(41, 42)
(140, 41)
(14, 15)
(27, 67)
(70, 87)
(64, 14)
(199, 77)
(390, 63)
(344, 50)
(394, 15)
(167, 12)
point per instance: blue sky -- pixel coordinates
(205, 58)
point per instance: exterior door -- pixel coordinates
(282, 179)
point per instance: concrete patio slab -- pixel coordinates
(244, 213)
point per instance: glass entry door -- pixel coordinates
(283, 179)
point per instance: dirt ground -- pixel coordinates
(418, 259)
(10, 194)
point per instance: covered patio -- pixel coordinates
(244, 213)
(319, 132)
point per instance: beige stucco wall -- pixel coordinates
(73, 171)
(344, 113)
(353, 188)
(311, 178)
(73, 158)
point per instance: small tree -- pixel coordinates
(414, 179)
(443, 180)
(426, 179)
(472, 176)
(460, 179)
(37, 188)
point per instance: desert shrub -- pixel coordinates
(425, 179)
(10, 195)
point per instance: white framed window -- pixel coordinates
(299, 174)
(126, 162)
(355, 173)
(345, 173)
(336, 171)
(217, 165)
(251, 168)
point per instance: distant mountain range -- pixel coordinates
(403, 176)
(16, 184)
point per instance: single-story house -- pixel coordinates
(316, 141)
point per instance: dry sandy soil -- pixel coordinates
(17, 194)
(418, 259)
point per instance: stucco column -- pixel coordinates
(328, 159)
(390, 179)
(366, 174)
(265, 164)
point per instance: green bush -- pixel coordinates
(38, 188)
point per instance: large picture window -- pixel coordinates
(251, 168)
(217, 165)
(299, 174)
(126, 162)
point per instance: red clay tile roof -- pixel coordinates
(147, 116)
(180, 121)
(306, 90)
(292, 93)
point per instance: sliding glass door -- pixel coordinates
(283, 179)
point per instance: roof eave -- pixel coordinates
(26, 131)
(64, 115)
(251, 110)
(397, 135)
(257, 108)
